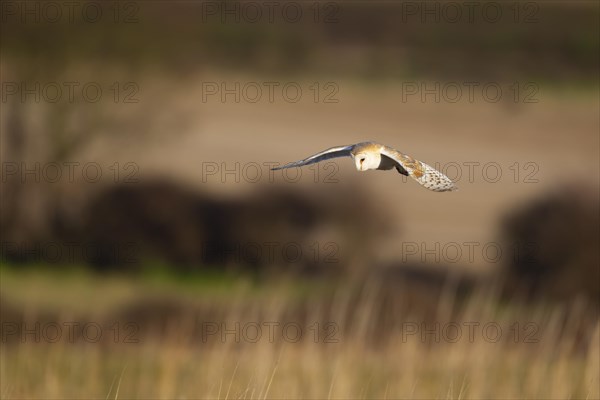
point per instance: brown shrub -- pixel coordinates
(554, 240)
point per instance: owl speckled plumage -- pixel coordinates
(370, 155)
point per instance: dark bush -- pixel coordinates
(553, 243)
(280, 228)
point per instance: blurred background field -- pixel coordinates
(141, 205)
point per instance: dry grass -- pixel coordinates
(375, 356)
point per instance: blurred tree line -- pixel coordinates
(546, 41)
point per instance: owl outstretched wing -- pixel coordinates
(334, 152)
(425, 174)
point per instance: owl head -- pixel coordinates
(367, 160)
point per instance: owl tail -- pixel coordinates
(432, 179)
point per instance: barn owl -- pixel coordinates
(370, 155)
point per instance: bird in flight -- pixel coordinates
(370, 155)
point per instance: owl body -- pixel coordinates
(375, 156)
